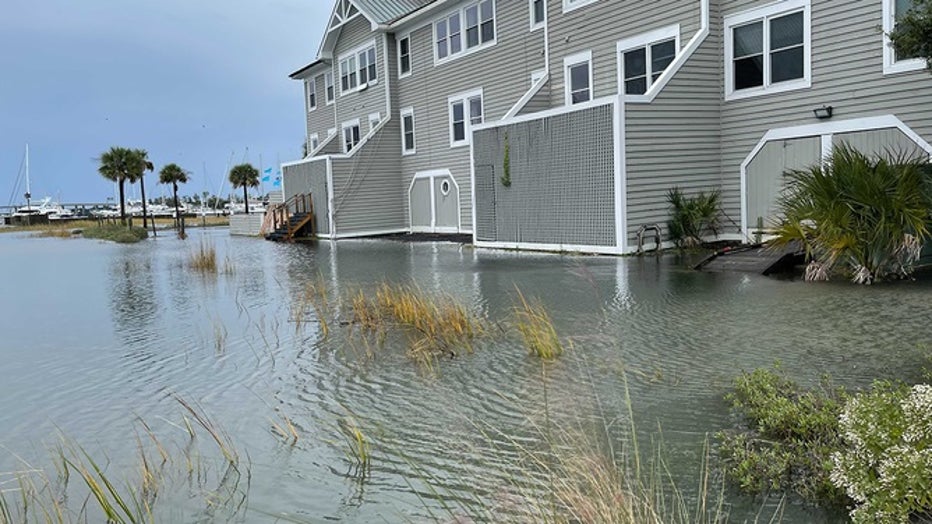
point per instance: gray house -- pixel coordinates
(561, 124)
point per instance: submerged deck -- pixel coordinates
(760, 258)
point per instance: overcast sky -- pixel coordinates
(191, 81)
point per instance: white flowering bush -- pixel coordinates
(886, 467)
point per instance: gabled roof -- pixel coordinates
(388, 11)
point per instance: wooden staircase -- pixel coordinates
(290, 220)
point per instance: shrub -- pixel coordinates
(692, 216)
(786, 437)
(887, 466)
(863, 216)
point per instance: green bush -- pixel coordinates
(886, 467)
(117, 233)
(863, 216)
(786, 437)
(692, 217)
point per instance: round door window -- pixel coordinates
(445, 187)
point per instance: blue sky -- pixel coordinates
(192, 81)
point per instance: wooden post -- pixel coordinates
(759, 234)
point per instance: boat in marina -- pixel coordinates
(47, 208)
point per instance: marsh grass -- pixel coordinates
(358, 449)
(534, 323)
(314, 297)
(57, 232)
(116, 233)
(203, 259)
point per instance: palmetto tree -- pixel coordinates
(244, 176)
(174, 175)
(141, 165)
(118, 165)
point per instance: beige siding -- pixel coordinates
(598, 27)
(503, 72)
(847, 73)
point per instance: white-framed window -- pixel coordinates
(328, 86)
(358, 69)
(642, 59)
(351, 135)
(577, 74)
(768, 50)
(311, 88)
(569, 5)
(332, 131)
(892, 64)
(465, 111)
(374, 120)
(465, 30)
(538, 13)
(404, 56)
(313, 143)
(408, 143)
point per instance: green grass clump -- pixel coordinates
(116, 233)
(536, 328)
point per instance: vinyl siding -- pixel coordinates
(322, 118)
(676, 139)
(502, 71)
(367, 193)
(359, 104)
(310, 177)
(598, 27)
(539, 102)
(847, 73)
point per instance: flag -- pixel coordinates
(266, 178)
(268, 171)
(277, 183)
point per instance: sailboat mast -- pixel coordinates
(28, 190)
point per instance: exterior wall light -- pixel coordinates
(824, 112)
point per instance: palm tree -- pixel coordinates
(245, 176)
(174, 175)
(142, 165)
(117, 165)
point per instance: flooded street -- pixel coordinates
(95, 337)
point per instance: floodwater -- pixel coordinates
(96, 338)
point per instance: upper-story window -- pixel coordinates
(408, 144)
(314, 143)
(470, 28)
(465, 112)
(569, 5)
(768, 50)
(328, 86)
(351, 135)
(642, 59)
(311, 94)
(404, 57)
(893, 63)
(358, 69)
(538, 13)
(577, 70)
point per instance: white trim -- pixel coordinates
(388, 76)
(330, 217)
(332, 131)
(349, 124)
(571, 61)
(406, 36)
(472, 189)
(531, 93)
(892, 66)
(534, 26)
(572, 5)
(561, 110)
(621, 175)
(825, 147)
(645, 40)
(553, 248)
(467, 118)
(764, 15)
(408, 111)
(825, 131)
(464, 51)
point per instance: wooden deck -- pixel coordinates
(760, 259)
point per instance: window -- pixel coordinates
(328, 86)
(314, 143)
(577, 70)
(358, 69)
(569, 5)
(643, 58)
(311, 94)
(404, 57)
(408, 145)
(465, 112)
(893, 63)
(453, 37)
(768, 50)
(374, 120)
(538, 13)
(350, 135)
